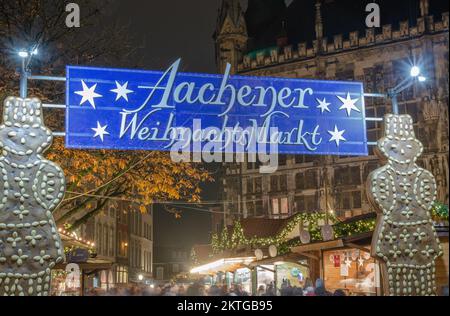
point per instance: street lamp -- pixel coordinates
(140, 277)
(414, 75)
(415, 71)
(25, 57)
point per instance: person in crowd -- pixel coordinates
(308, 283)
(261, 290)
(309, 291)
(196, 289)
(320, 288)
(339, 292)
(214, 290)
(270, 290)
(287, 291)
(297, 291)
(223, 291)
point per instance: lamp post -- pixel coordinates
(414, 76)
(26, 57)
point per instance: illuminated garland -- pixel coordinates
(311, 224)
(224, 240)
(215, 243)
(238, 237)
(194, 258)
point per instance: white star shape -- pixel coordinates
(100, 131)
(361, 262)
(323, 105)
(348, 262)
(349, 104)
(337, 135)
(88, 94)
(122, 91)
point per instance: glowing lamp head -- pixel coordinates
(415, 71)
(23, 54)
(140, 277)
(422, 79)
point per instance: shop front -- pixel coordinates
(81, 271)
(243, 278)
(226, 272)
(351, 270)
(293, 274)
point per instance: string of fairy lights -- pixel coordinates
(311, 223)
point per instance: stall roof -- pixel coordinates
(90, 265)
(223, 265)
(318, 246)
(290, 257)
(252, 226)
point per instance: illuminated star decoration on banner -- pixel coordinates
(349, 104)
(122, 91)
(100, 131)
(88, 94)
(337, 135)
(323, 105)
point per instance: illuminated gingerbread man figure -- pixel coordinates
(403, 194)
(30, 188)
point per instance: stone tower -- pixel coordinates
(231, 35)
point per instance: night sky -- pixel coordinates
(171, 29)
(167, 30)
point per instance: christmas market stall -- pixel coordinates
(81, 271)
(225, 269)
(307, 246)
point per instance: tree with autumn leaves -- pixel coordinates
(94, 177)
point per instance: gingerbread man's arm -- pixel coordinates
(425, 189)
(380, 190)
(51, 183)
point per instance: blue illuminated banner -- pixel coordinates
(145, 110)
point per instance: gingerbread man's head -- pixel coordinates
(23, 132)
(399, 143)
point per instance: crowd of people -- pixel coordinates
(198, 289)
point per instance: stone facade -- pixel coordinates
(380, 58)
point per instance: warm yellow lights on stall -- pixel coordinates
(222, 263)
(72, 235)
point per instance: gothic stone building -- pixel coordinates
(329, 40)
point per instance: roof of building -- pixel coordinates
(265, 18)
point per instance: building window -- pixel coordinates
(299, 159)
(273, 183)
(349, 201)
(175, 268)
(282, 160)
(259, 206)
(160, 273)
(306, 204)
(280, 206)
(250, 186)
(275, 207)
(348, 176)
(250, 208)
(121, 274)
(306, 180)
(258, 185)
(278, 183)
